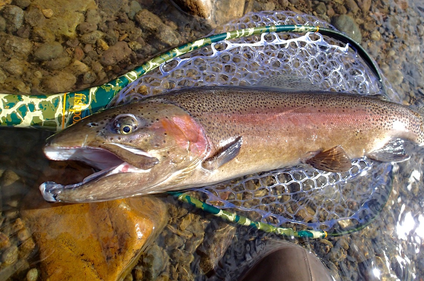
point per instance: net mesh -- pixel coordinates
(300, 195)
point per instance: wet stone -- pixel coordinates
(15, 46)
(14, 17)
(348, 25)
(108, 236)
(92, 37)
(48, 51)
(22, 3)
(34, 16)
(58, 63)
(32, 274)
(115, 54)
(10, 255)
(87, 27)
(61, 82)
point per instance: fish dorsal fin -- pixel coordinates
(288, 83)
(393, 151)
(224, 155)
(334, 159)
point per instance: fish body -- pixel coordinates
(201, 136)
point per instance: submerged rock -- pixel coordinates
(100, 241)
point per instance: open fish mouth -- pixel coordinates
(101, 159)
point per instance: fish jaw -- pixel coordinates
(162, 146)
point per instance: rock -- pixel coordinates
(32, 274)
(14, 46)
(42, 35)
(14, 17)
(111, 7)
(78, 67)
(59, 83)
(100, 241)
(148, 21)
(89, 77)
(352, 6)
(15, 66)
(348, 25)
(92, 16)
(48, 51)
(364, 5)
(92, 37)
(87, 27)
(115, 54)
(58, 63)
(135, 7)
(3, 76)
(375, 35)
(321, 8)
(66, 15)
(34, 16)
(48, 13)
(4, 241)
(167, 36)
(10, 255)
(4, 3)
(22, 3)
(2, 24)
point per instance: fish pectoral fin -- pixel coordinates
(224, 155)
(393, 151)
(334, 159)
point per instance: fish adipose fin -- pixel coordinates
(393, 151)
(224, 155)
(332, 160)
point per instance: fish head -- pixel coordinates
(145, 147)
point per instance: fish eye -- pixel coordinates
(125, 124)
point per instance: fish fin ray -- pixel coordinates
(393, 151)
(334, 159)
(224, 155)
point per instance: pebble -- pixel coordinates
(42, 35)
(14, 46)
(352, 6)
(348, 25)
(148, 21)
(48, 13)
(58, 63)
(14, 66)
(365, 5)
(22, 3)
(59, 83)
(375, 35)
(14, 17)
(92, 16)
(92, 37)
(4, 241)
(10, 255)
(115, 54)
(34, 16)
(102, 44)
(2, 24)
(135, 7)
(87, 27)
(89, 77)
(48, 51)
(321, 8)
(32, 274)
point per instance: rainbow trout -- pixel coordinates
(201, 136)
